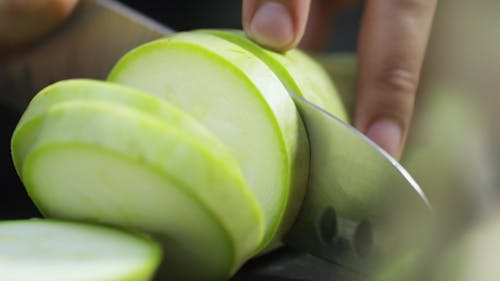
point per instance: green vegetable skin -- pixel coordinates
(47, 250)
(211, 159)
(343, 71)
(297, 71)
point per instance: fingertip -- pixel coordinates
(388, 134)
(275, 24)
(272, 26)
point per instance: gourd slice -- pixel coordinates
(298, 72)
(105, 163)
(94, 90)
(236, 96)
(47, 250)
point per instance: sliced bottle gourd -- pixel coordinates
(47, 250)
(342, 68)
(106, 162)
(94, 90)
(296, 70)
(133, 172)
(239, 98)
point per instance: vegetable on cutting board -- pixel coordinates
(48, 250)
(201, 147)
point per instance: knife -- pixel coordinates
(367, 207)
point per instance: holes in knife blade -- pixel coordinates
(342, 246)
(328, 225)
(363, 239)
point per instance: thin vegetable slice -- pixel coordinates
(235, 95)
(47, 250)
(94, 90)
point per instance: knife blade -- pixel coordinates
(345, 216)
(359, 199)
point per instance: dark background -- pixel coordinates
(14, 202)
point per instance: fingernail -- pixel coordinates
(272, 25)
(387, 134)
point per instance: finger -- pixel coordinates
(22, 21)
(275, 24)
(392, 43)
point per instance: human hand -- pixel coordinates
(392, 42)
(24, 21)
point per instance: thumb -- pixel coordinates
(276, 24)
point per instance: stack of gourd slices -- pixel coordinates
(100, 152)
(202, 148)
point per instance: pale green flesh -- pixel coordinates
(47, 250)
(297, 71)
(343, 70)
(92, 90)
(109, 189)
(90, 158)
(237, 97)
